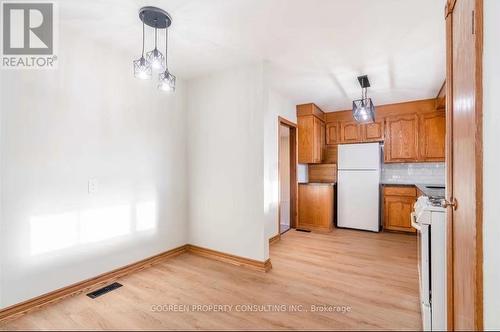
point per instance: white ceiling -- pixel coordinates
(315, 48)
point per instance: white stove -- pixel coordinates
(429, 219)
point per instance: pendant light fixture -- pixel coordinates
(167, 80)
(142, 67)
(155, 57)
(158, 19)
(363, 110)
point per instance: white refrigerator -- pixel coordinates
(358, 184)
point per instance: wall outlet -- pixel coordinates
(93, 186)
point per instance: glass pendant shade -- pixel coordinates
(142, 69)
(363, 110)
(167, 81)
(156, 59)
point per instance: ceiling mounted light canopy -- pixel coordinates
(363, 110)
(159, 20)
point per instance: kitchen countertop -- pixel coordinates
(423, 187)
(432, 192)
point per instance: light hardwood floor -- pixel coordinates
(373, 274)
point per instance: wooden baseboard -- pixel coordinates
(275, 239)
(231, 259)
(22, 308)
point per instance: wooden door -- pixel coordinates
(373, 132)
(401, 144)
(432, 136)
(350, 132)
(464, 151)
(332, 133)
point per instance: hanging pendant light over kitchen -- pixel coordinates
(167, 80)
(158, 19)
(363, 110)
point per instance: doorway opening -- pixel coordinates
(287, 175)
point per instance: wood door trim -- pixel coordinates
(293, 178)
(478, 26)
(478, 239)
(449, 166)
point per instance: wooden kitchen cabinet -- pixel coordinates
(320, 144)
(330, 154)
(332, 133)
(316, 207)
(373, 132)
(350, 132)
(311, 139)
(432, 136)
(411, 131)
(401, 138)
(397, 207)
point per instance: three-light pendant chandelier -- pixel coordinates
(154, 60)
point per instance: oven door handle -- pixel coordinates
(414, 222)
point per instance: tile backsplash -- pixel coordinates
(426, 173)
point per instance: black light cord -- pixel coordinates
(166, 48)
(143, 27)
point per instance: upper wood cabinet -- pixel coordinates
(401, 138)
(311, 134)
(411, 132)
(373, 132)
(350, 132)
(319, 136)
(432, 136)
(332, 133)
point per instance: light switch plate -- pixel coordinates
(93, 186)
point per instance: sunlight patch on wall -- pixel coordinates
(145, 216)
(55, 232)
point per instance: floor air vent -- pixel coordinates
(303, 230)
(104, 290)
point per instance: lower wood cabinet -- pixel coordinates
(397, 207)
(316, 207)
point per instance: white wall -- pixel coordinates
(277, 105)
(88, 119)
(225, 159)
(491, 165)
